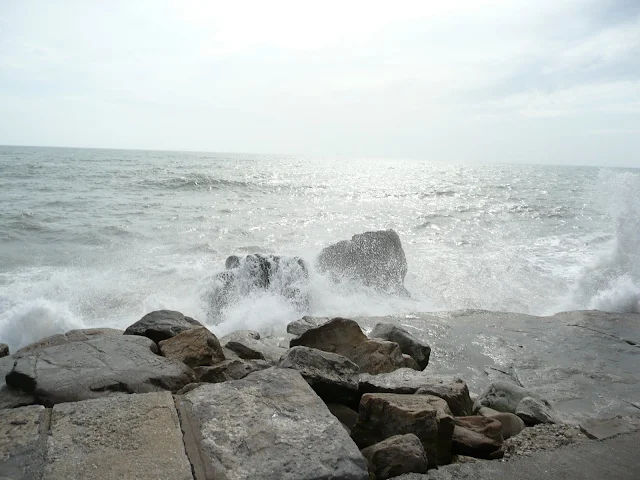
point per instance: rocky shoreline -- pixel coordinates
(168, 399)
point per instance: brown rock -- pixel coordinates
(396, 455)
(511, 423)
(196, 347)
(477, 436)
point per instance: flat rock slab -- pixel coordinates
(96, 368)
(601, 428)
(132, 436)
(80, 335)
(269, 425)
(22, 445)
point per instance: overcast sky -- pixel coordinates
(533, 81)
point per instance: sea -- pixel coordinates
(98, 238)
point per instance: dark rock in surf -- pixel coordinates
(374, 259)
(196, 347)
(298, 327)
(407, 342)
(245, 346)
(161, 325)
(4, 350)
(396, 455)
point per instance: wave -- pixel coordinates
(194, 182)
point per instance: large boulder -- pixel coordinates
(344, 337)
(374, 259)
(196, 347)
(409, 345)
(477, 436)
(405, 380)
(383, 415)
(511, 423)
(270, 424)
(396, 455)
(102, 367)
(161, 325)
(284, 276)
(333, 377)
(80, 335)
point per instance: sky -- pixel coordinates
(509, 81)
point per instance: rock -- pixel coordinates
(108, 365)
(502, 396)
(229, 370)
(161, 325)
(396, 455)
(80, 335)
(270, 424)
(131, 436)
(511, 423)
(248, 348)
(601, 428)
(346, 415)
(409, 345)
(479, 437)
(333, 377)
(543, 437)
(409, 362)
(22, 447)
(404, 380)
(344, 337)
(195, 347)
(298, 327)
(10, 397)
(4, 350)
(534, 411)
(375, 259)
(383, 415)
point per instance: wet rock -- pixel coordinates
(298, 327)
(229, 370)
(375, 259)
(601, 428)
(161, 325)
(511, 423)
(409, 345)
(477, 436)
(344, 337)
(270, 424)
(10, 397)
(534, 411)
(248, 348)
(404, 380)
(503, 396)
(80, 335)
(4, 350)
(383, 415)
(346, 415)
(22, 443)
(108, 365)
(409, 362)
(333, 377)
(542, 437)
(129, 436)
(396, 455)
(195, 347)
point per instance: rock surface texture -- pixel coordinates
(81, 335)
(409, 345)
(22, 447)
(161, 325)
(477, 436)
(396, 455)
(195, 347)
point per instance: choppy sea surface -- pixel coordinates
(101, 237)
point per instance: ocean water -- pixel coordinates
(101, 237)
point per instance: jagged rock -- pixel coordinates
(406, 380)
(396, 455)
(96, 368)
(511, 423)
(229, 370)
(270, 424)
(161, 325)
(247, 347)
(346, 415)
(195, 347)
(477, 436)
(123, 437)
(409, 345)
(239, 335)
(22, 448)
(4, 350)
(601, 428)
(383, 415)
(409, 362)
(534, 411)
(503, 396)
(375, 259)
(333, 377)
(344, 337)
(80, 335)
(298, 327)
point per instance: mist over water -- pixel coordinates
(99, 237)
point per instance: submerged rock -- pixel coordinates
(396, 455)
(4, 350)
(161, 325)
(375, 259)
(409, 345)
(196, 347)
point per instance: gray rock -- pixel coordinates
(601, 428)
(22, 443)
(396, 455)
(333, 377)
(409, 345)
(249, 348)
(477, 436)
(534, 411)
(383, 415)
(298, 327)
(270, 424)
(131, 436)
(344, 337)
(375, 259)
(161, 325)
(511, 423)
(10, 397)
(96, 368)
(4, 350)
(503, 396)
(81, 335)
(229, 370)
(347, 416)
(405, 380)
(195, 347)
